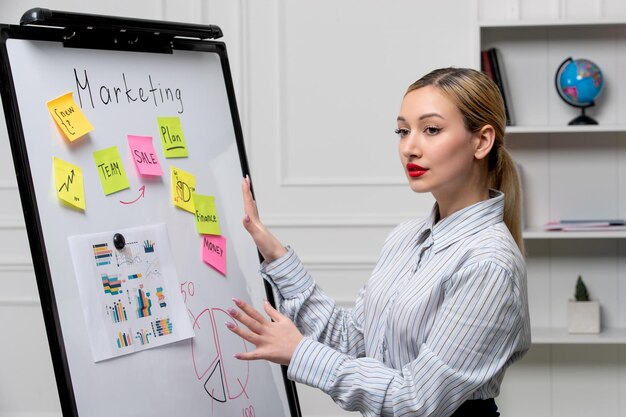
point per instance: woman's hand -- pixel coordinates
(275, 341)
(265, 241)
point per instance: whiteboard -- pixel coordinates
(192, 377)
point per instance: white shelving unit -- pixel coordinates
(568, 171)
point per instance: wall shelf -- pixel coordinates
(559, 335)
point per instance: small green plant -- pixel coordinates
(581, 290)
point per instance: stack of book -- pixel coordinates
(492, 64)
(586, 225)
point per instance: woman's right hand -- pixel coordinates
(269, 246)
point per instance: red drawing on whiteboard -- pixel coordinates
(225, 378)
(142, 191)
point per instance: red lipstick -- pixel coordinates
(415, 170)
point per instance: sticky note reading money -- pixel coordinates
(68, 179)
(69, 117)
(183, 187)
(207, 222)
(110, 170)
(214, 252)
(172, 138)
(143, 154)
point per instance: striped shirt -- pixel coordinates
(444, 313)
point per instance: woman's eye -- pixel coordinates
(401, 132)
(432, 130)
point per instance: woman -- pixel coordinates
(445, 311)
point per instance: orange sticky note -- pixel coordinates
(69, 117)
(214, 252)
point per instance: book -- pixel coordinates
(499, 76)
(485, 64)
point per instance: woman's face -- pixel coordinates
(436, 150)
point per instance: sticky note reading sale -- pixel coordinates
(207, 222)
(214, 252)
(68, 179)
(68, 116)
(172, 138)
(183, 187)
(144, 156)
(110, 170)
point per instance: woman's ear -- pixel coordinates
(484, 140)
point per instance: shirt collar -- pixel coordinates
(463, 223)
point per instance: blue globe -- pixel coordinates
(579, 82)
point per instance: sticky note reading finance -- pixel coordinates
(144, 156)
(172, 138)
(68, 179)
(183, 187)
(214, 252)
(207, 222)
(110, 170)
(69, 117)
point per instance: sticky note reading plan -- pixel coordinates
(207, 222)
(183, 187)
(68, 179)
(68, 116)
(172, 138)
(110, 170)
(144, 156)
(214, 252)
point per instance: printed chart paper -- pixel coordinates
(130, 296)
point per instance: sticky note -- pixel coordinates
(69, 117)
(172, 138)
(207, 222)
(68, 179)
(183, 187)
(214, 252)
(110, 170)
(144, 156)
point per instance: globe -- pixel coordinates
(579, 82)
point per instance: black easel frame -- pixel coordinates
(97, 32)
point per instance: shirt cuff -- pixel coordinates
(288, 274)
(314, 364)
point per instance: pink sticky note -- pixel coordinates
(144, 156)
(214, 252)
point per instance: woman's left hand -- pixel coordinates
(275, 341)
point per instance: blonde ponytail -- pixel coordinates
(504, 177)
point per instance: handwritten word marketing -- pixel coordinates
(126, 89)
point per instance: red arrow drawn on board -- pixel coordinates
(142, 191)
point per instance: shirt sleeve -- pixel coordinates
(311, 310)
(476, 332)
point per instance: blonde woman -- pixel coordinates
(445, 311)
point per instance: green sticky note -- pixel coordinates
(110, 170)
(207, 222)
(172, 138)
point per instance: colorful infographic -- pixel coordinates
(129, 290)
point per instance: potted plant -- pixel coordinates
(583, 315)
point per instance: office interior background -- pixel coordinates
(318, 86)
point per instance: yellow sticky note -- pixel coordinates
(110, 170)
(183, 187)
(69, 117)
(207, 222)
(68, 179)
(172, 138)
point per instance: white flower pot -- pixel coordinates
(583, 317)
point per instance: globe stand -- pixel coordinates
(583, 119)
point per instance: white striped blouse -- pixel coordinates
(444, 313)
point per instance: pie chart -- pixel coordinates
(224, 378)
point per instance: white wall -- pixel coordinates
(318, 85)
